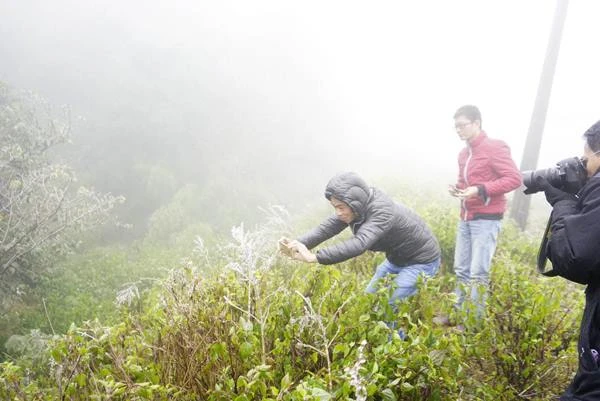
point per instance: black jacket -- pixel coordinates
(573, 248)
(575, 235)
(381, 225)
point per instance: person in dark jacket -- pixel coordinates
(378, 224)
(572, 247)
(486, 173)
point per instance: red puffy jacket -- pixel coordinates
(486, 163)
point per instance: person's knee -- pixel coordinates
(433, 269)
(481, 272)
(381, 271)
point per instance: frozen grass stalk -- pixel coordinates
(253, 254)
(356, 380)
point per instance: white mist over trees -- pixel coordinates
(263, 102)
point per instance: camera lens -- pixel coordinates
(569, 175)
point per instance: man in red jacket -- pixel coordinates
(486, 173)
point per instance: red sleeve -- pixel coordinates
(509, 176)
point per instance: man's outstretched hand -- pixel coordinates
(301, 252)
(296, 250)
(284, 246)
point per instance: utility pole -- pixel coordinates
(520, 206)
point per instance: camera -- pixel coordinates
(569, 175)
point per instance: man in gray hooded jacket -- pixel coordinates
(378, 224)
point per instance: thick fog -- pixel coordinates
(281, 95)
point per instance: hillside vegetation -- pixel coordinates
(236, 321)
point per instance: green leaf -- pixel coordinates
(81, 379)
(388, 395)
(320, 394)
(437, 356)
(341, 348)
(375, 368)
(407, 386)
(218, 350)
(286, 382)
(246, 349)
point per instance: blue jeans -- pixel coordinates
(405, 282)
(475, 247)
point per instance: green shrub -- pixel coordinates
(526, 345)
(240, 323)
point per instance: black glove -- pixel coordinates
(552, 193)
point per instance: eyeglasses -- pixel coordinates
(462, 125)
(584, 159)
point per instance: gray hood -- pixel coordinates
(351, 189)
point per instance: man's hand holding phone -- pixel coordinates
(452, 190)
(284, 246)
(296, 250)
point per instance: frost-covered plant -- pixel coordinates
(250, 255)
(200, 250)
(127, 295)
(43, 209)
(354, 375)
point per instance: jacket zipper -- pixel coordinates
(463, 201)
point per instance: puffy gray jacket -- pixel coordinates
(381, 225)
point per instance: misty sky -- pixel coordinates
(371, 86)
